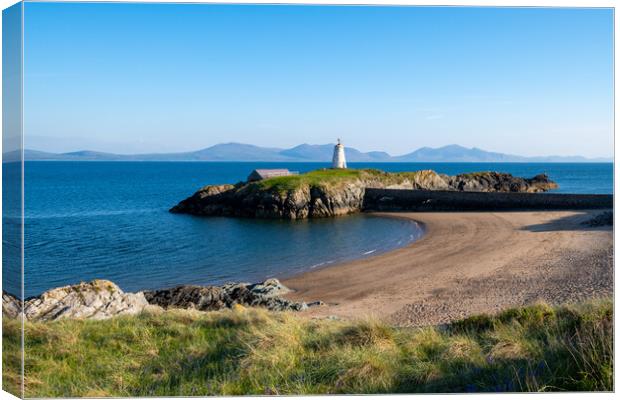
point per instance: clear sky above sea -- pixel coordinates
(132, 78)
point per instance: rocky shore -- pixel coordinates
(102, 299)
(327, 193)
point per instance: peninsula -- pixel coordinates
(332, 192)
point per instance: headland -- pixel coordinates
(331, 192)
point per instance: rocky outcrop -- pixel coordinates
(497, 182)
(11, 305)
(211, 298)
(304, 196)
(101, 299)
(250, 201)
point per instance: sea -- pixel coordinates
(110, 220)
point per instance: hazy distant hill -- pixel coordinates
(324, 152)
(303, 152)
(456, 153)
(239, 152)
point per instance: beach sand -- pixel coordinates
(468, 263)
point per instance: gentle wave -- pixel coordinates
(321, 264)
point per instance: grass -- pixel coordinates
(312, 178)
(334, 178)
(249, 351)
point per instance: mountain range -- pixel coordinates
(301, 153)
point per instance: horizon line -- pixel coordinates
(610, 157)
(277, 149)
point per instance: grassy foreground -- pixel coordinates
(537, 348)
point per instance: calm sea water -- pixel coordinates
(110, 220)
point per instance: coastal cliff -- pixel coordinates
(327, 193)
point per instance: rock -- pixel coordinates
(500, 182)
(269, 288)
(211, 192)
(11, 305)
(190, 297)
(211, 298)
(429, 180)
(99, 299)
(340, 195)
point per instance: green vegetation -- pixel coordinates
(312, 178)
(336, 177)
(246, 351)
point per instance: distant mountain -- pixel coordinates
(85, 154)
(303, 152)
(324, 152)
(238, 152)
(456, 153)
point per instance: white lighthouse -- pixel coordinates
(338, 161)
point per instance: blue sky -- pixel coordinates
(174, 77)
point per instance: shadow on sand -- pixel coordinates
(596, 220)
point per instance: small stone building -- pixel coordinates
(260, 174)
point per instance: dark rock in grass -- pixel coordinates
(211, 298)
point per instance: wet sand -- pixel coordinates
(469, 263)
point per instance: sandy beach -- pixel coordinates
(469, 263)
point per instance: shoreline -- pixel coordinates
(464, 263)
(417, 232)
(467, 263)
(420, 232)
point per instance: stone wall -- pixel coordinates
(427, 200)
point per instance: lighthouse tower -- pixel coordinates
(338, 161)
